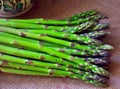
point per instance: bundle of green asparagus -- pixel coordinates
(59, 48)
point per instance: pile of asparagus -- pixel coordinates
(59, 48)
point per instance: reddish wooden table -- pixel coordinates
(58, 9)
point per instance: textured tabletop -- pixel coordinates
(58, 9)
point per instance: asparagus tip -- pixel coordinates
(102, 26)
(107, 47)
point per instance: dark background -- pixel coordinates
(59, 9)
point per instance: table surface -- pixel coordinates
(58, 9)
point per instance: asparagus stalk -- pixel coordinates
(28, 61)
(36, 63)
(54, 22)
(25, 64)
(82, 15)
(95, 34)
(58, 47)
(68, 36)
(22, 72)
(51, 72)
(87, 66)
(39, 69)
(42, 56)
(34, 55)
(54, 40)
(70, 29)
(28, 72)
(89, 26)
(67, 29)
(79, 52)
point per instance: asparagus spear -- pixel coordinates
(28, 61)
(54, 22)
(22, 72)
(28, 72)
(43, 56)
(79, 52)
(87, 26)
(67, 29)
(54, 40)
(68, 36)
(70, 29)
(82, 15)
(58, 47)
(34, 55)
(34, 68)
(37, 63)
(87, 66)
(53, 72)
(25, 64)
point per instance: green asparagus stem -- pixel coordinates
(87, 26)
(25, 66)
(54, 40)
(28, 61)
(53, 22)
(95, 34)
(67, 29)
(87, 66)
(22, 72)
(34, 55)
(79, 52)
(82, 15)
(36, 63)
(39, 69)
(28, 72)
(45, 57)
(70, 29)
(10, 58)
(51, 72)
(68, 36)
(58, 47)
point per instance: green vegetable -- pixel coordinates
(53, 22)
(68, 36)
(53, 40)
(82, 15)
(44, 57)
(86, 77)
(40, 48)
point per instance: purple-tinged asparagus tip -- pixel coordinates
(102, 79)
(104, 53)
(101, 61)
